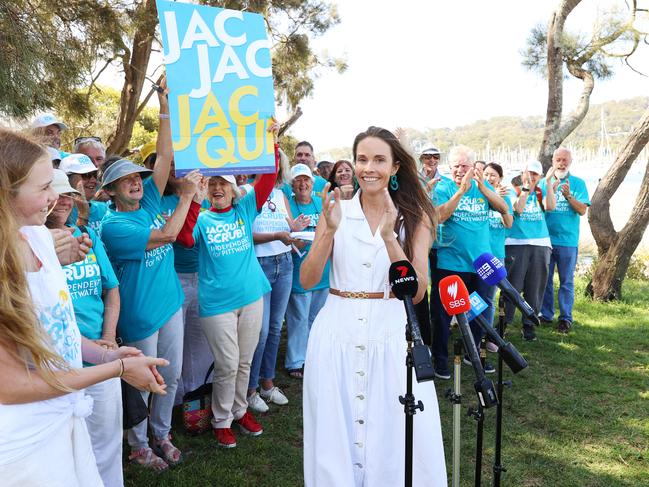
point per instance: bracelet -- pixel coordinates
(525, 190)
(121, 367)
(164, 116)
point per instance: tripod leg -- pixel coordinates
(457, 411)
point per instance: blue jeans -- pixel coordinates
(565, 259)
(442, 330)
(300, 313)
(279, 272)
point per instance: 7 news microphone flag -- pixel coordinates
(404, 284)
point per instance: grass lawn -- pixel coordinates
(577, 416)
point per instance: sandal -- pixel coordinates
(166, 450)
(296, 373)
(145, 457)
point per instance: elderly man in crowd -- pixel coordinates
(48, 128)
(464, 202)
(93, 148)
(572, 201)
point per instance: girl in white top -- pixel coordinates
(354, 426)
(43, 438)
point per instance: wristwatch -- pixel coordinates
(524, 189)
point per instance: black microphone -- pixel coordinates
(493, 272)
(404, 284)
(456, 302)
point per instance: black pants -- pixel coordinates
(426, 313)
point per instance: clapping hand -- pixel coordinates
(331, 207)
(565, 188)
(299, 223)
(389, 218)
(68, 248)
(465, 185)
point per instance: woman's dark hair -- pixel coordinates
(496, 167)
(410, 198)
(332, 174)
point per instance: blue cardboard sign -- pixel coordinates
(477, 306)
(220, 83)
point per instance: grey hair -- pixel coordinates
(89, 143)
(460, 150)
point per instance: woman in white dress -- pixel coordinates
(354, 425)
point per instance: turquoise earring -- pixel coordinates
(394, 184)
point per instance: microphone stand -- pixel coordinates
(417, 358)
(498, 467)
(478, 415)
(455, 396)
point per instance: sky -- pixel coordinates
(429, 64)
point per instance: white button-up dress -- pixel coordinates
(354, 425)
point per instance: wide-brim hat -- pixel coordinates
(60, 183)
(122, 168)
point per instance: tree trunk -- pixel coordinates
(616, 248)
(134, 63)
(552, 135)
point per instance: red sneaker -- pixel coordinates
(249, 425)
(225, 437)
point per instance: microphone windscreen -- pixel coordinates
(403, 279)
(489, 268)
(454, 295)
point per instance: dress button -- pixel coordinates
(360, 421)
(360, 396)
(359, 444)
(359, 465)
(367, 264)
(361, 347)
(362, 320)
(361, 373)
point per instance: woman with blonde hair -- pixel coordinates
(44, 438)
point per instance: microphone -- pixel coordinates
(456, 302)
(511, 356)
(404, 284)
(493, 272)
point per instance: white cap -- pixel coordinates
(229, 178)
(431, 151)
(47, 119)
(301, 170)
(534, 166)
(77, 164)
(60, 183)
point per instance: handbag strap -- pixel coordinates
(209, 371)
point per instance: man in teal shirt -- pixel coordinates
(304, 155)
(563, 226)
(464, 202)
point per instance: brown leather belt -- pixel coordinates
(358, 294)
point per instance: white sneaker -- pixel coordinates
(274, 395)
(256, 403)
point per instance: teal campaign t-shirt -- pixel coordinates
(497, 231)
(313, 211)
(318, 186)
(563, 221)
(466, 232)
(97, 211)
(185, 260)
(439, 237)
(150, 289)
(531, 223)
(229, 274)
(86, 281)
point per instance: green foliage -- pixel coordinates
(98, 120)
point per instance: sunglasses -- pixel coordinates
(80, 140)
(89, 175)
(271, 206)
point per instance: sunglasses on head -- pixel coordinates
(80, 140)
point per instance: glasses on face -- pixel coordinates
(271, 206)
(89, 175)
(80, 140)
